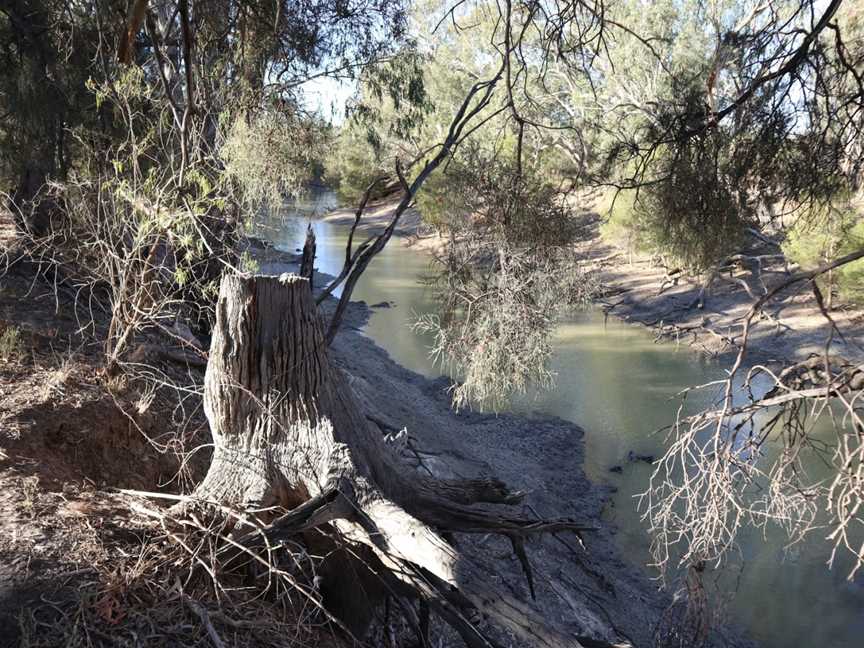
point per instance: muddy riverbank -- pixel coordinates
(587, 587)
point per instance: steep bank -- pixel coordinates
(72, 552)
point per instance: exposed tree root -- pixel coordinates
(289, 433)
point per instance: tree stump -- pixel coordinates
(287, 431)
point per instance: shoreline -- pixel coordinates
(584, 586)
(583, 589)
(588, 590)
(636, 292)
(410, 231)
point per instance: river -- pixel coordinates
(617, 384)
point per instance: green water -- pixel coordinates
(620, 386)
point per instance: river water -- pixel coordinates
(617, 384)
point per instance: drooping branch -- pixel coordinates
(696, 499)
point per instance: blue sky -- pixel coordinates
(327, 97)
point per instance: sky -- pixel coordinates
(327, 97)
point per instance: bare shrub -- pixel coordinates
(745, 459)
(130, 237)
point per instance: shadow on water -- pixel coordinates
(620, 387)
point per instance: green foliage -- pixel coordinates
(699, 185)
(393, 101)
(352, 164)
(620, 222)
(825, 233)
(697, 216)
(388, 111)
(439, 205)
(270, 155)
(694, 216)
(42, 91)
(248, 263)
(506, 274)
(11, 345)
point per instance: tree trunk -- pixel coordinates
(307, 261)
(288, 431)
(36, 134)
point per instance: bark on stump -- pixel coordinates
(288, 431)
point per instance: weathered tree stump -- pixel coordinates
(288, 431)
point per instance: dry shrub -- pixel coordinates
(171, 588)
(749, 459)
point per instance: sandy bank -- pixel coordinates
(637, 289)
(411, 230)
(792, 326)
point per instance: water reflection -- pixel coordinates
(392, 278)
(620, 386)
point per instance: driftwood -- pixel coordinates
(288, 431)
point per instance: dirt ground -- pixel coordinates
(69, 437)
(80, 564)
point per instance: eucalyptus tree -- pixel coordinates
(502, 195)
